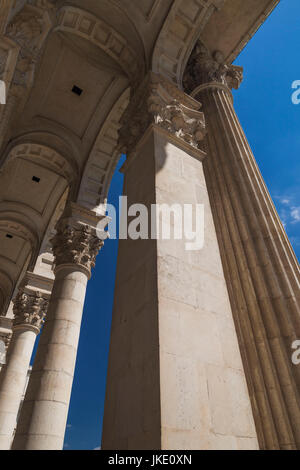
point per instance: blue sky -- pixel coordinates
(272, 125)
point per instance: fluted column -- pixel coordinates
(29, 309)
(260, 267)
(44, 413)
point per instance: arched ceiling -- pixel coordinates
(69, 61)
(32, 181)
(139, 22)
(224, 25)
(69, 76)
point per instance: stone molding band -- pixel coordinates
(211, 86)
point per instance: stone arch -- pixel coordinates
(18, 250)
(26, 213)
(88, 26)
(179, 34)
(45, 157)
(103, 160)
(16, 224)
(47, 149)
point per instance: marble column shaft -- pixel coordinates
(29, 309)
(43, 418)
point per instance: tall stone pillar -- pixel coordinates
(43, 418)
(175, 375)
(30, 307)
(260, 267)
(5, 337)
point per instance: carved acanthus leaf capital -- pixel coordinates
(30, 308)
(160, 102)
(204, 68)
(76, 244)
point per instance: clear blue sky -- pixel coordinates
(272, 124)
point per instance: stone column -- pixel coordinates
(43, 418)
(175, 375)
(5, 337)
(261, 269)
(30, 308)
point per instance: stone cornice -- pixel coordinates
(33, 281)
(196, 153)
(160, 102)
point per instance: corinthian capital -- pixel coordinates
(159, 102)
(30, 308)
(204, 68)
(77, 241)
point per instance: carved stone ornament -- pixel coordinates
(5, 338)
(204, 68)
(76, 244)
(30, 308)
(29, 29)
(160, 102)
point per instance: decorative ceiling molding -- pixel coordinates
(149, 12)
(15, 228)
(88, 26)
(45, 157)
(103, 160)
(179, 34)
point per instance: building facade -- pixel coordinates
(201, 340)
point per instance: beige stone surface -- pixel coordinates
(45, 409)
(12, 383)
(173, 320)
(175, 315)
